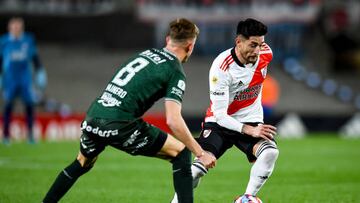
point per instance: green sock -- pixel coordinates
(182, 177)
(64, 181)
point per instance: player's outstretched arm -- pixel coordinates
(180, 130)
(264, 131)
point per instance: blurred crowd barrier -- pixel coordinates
(55, 127)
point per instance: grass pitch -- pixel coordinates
(319, 168)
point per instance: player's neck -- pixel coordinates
(241, 59)
(177, 51)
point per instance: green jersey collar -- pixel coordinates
(168, 51)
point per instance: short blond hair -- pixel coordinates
(181, 30)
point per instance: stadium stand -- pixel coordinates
(76, 45)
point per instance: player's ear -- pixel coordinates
(190, 46)
(238, 40)
(167, 39)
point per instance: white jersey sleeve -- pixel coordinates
(219, 96)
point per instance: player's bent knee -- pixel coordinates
(172, 148)
(271, 154)
(86, 162)
(268, 148)
(182, 160)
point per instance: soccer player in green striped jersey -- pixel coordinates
(114, 118)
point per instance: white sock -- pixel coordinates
(198, 170)
(261, 170)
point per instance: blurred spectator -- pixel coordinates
(338, 32)
(343, 45)
(17, 51)
(270, 95)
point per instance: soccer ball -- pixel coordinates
(247, 199)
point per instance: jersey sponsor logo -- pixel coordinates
(217, 93)
(132, 138)
(178, 92)
(97, 131)
(248, 93)
(107, 100)
(153, 56)
(206, 133)
(141, 144)
(20, 54)
(181, 84)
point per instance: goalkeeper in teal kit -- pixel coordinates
(114, 118)
(17, 54)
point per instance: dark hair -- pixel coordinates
(251, 27)
(182, 29)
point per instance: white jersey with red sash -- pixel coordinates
(235, 89)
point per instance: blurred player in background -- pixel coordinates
(235, 115)
(114, 118)
(270, 95)
(17, 52)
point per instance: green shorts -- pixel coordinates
(135, 137)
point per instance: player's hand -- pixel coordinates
(262, 131)
(41, 78)
(208, 159)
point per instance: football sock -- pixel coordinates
(64, 181)
(198, 170)
(261, 170)
(30, 121)
(182, 176)
(7, 118)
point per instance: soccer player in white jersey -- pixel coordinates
(235, 115)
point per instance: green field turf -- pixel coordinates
(320, 169)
